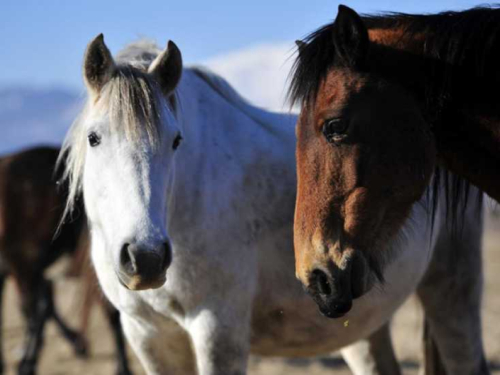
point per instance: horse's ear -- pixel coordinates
(300, 45)
(98, 65)
(350, 37)
(167, 68)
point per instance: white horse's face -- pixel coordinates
(125, 188)
(125, 185)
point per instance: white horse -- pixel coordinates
(184, 175)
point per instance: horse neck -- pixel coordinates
(223, 146)
(461, 105)
(208, 119)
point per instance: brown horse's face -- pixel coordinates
(364, 157)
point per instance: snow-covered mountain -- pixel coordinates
(31, 116)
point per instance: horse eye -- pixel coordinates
(334, 129)
(177, 141)
(94, 139)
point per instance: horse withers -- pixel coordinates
(190, 193)
(384, 100)
(31, 207)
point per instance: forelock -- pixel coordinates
(133, 101)
(311, 66)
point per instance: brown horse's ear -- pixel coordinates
(350, 37)
(167, 68)
(300, 45)
(98, 65)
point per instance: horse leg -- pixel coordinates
(433, 363)
(162, 347)
(451, 295)
(373, 355)
(113, 316)
(36, 308)
(2, 283)
(74, 338)
(221, 340)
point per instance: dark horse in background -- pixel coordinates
(392, 107)
(31, 206)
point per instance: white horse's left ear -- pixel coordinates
(167, 68)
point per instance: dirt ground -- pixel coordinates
(58, 358)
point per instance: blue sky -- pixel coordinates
(43, 41)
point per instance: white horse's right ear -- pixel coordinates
(98, 65)
(167, 68)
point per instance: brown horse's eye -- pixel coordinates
(334, 129)
(94, 139)
(177, 141)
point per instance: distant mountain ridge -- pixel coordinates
(31, 116)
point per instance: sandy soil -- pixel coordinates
(58, 357)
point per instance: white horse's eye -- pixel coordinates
(177, 141)
(94, 139)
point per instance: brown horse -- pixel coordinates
(31, 206)
(385, 102)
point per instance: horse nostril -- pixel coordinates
(342, 307)
(167, 255)
(127, 260)
(321, 281)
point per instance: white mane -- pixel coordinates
(226, 91)
(140, 54)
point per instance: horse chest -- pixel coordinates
(299, 329)
(288, 323)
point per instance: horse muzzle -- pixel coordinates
(142, 268)
(334, 289)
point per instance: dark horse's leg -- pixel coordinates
(2, 282)
(451, 295)
(74, 338)
(113, 316)
(36, 308)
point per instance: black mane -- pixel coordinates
(469, 38)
